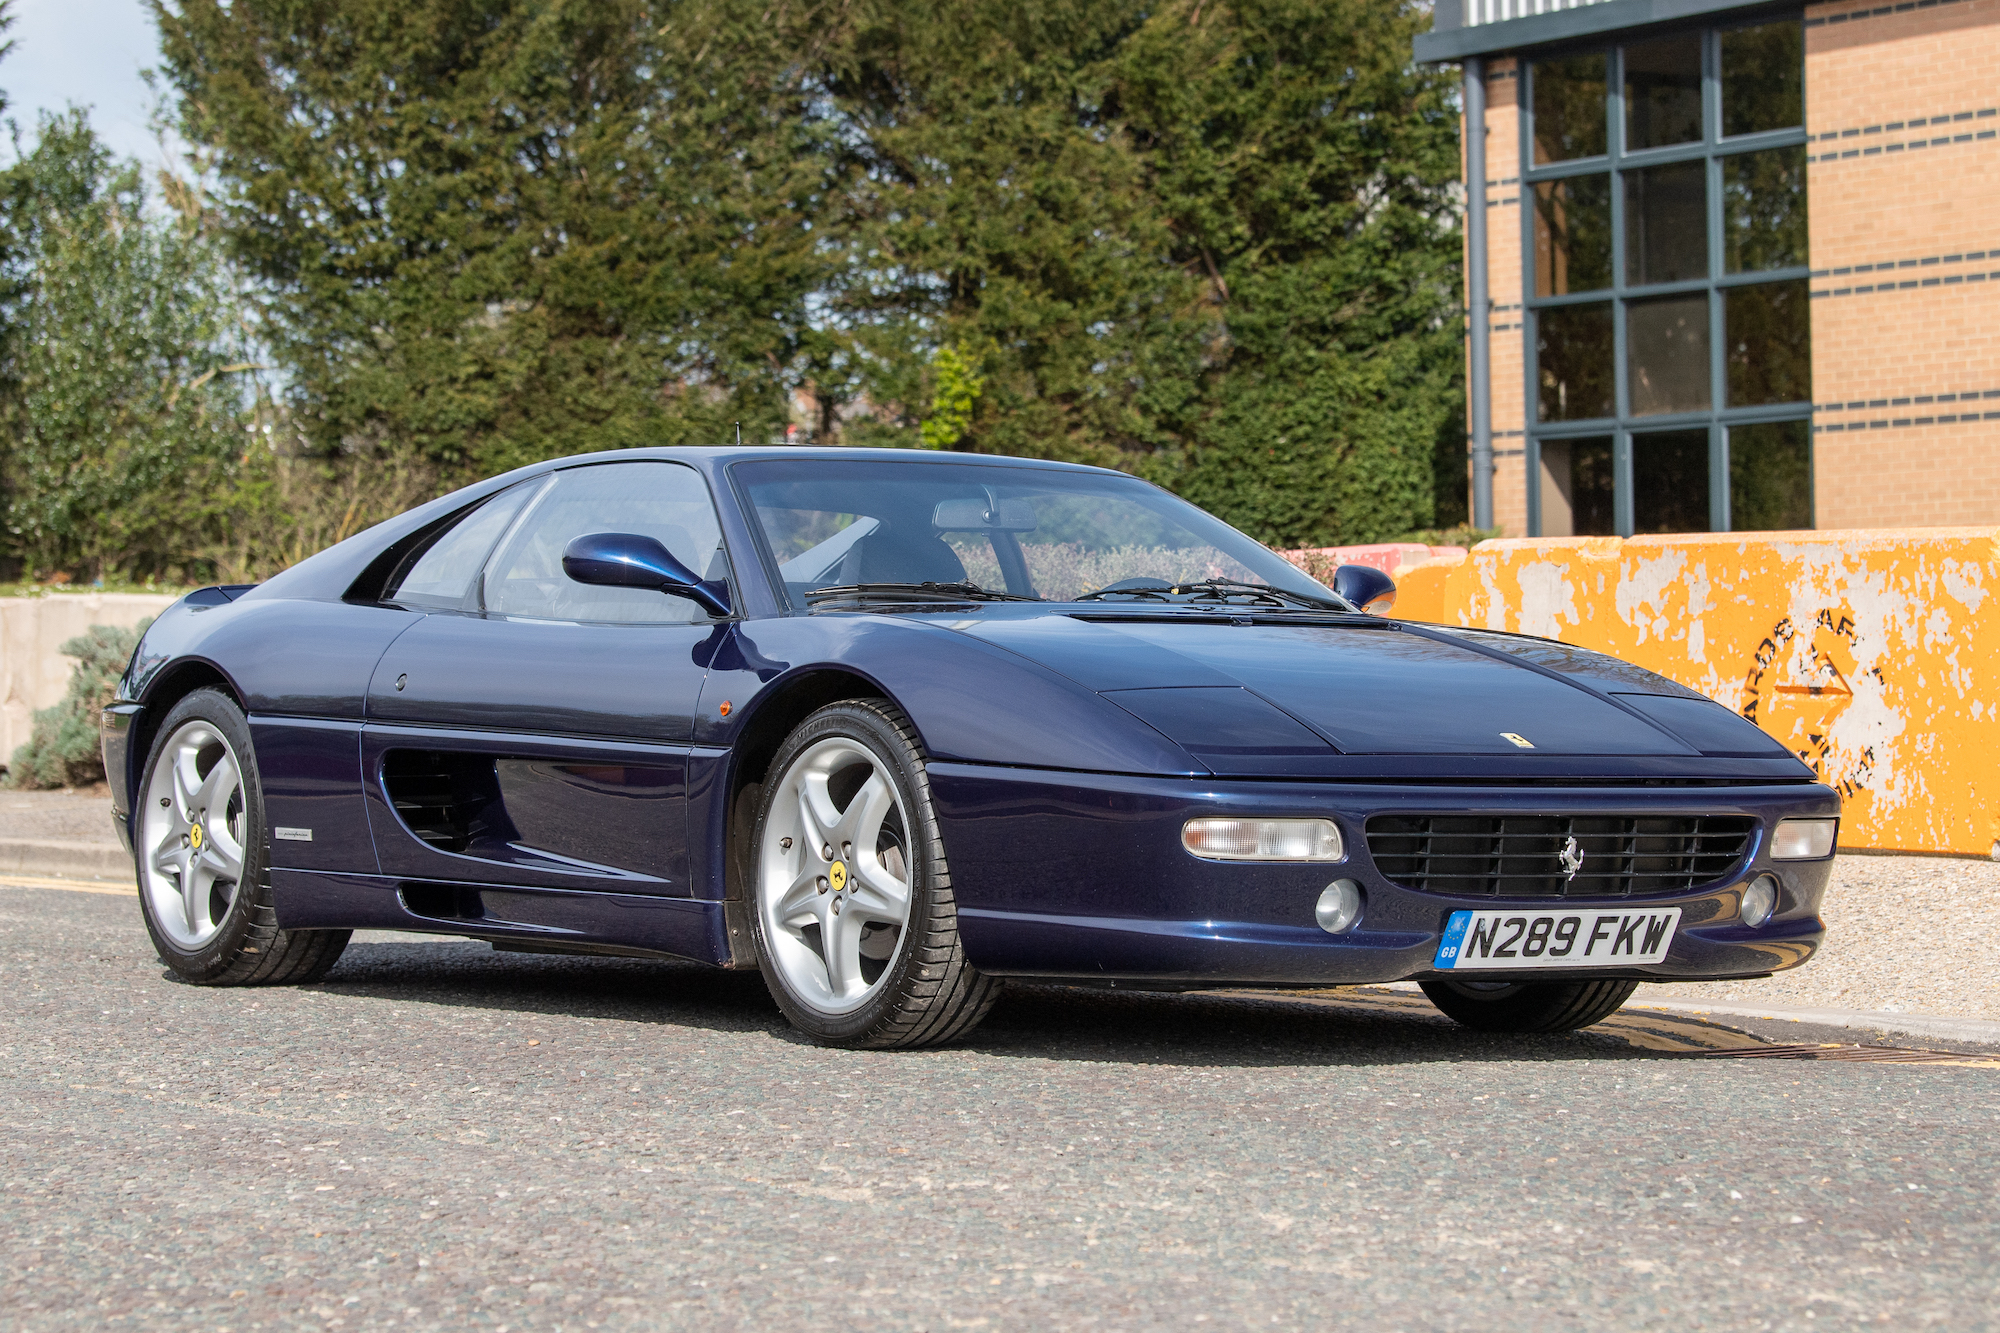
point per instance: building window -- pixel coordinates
(1669, 339)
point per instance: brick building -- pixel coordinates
(1739, 263)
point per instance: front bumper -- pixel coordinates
(115, 740)
(1083, 876)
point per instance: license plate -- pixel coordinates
(1552, 937)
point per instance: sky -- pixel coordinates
(90, 53)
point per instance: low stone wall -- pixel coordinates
(33, 672)
(1872, 655)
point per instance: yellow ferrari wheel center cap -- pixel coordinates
(837, 876)
(194, 836)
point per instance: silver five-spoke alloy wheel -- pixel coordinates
(191, 835)
(833, 875)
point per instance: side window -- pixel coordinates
(442, 576)
(665, 501)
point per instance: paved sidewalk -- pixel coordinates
(1905, 936)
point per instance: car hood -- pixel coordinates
(1256, 694)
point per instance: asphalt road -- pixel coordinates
(441, 1136)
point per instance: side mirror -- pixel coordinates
(1367, 587)
(629, 560)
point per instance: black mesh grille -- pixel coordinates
(1521, 856)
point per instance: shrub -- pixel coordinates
(62, 749)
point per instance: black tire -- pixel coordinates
(928, 994)
(248, 948)
(1528, 1006)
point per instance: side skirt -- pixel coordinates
(565, 920)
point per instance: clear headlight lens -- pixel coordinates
(1263, 839)
(1803, 839)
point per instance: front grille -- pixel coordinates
(1520, 856)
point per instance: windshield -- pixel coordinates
(1021, 530)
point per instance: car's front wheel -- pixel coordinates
(1528, 1006)
(855, 923)
(200, 844)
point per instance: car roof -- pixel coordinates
(724, 455)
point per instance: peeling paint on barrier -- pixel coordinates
(1864, 652)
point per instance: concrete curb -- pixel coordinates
(1978, 1030)
(64, 858)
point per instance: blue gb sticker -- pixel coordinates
(1454, 936)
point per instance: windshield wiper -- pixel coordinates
(1225, 588)
(1221, 590)
(930, 592)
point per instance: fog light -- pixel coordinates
(1803, 839)
(1263, 839)
(1339, 906)
(1759, 900)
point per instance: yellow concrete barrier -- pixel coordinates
(1872, 655)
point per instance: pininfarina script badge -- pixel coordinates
(1572, 859)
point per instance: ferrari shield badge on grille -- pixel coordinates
(1517, 739)
(1572, 859)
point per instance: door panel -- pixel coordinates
(548, 676)
(540, 734)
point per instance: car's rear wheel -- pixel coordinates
(855, 924)
(200, 844)
(1528, 1006)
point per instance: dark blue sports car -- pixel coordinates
(892, 726)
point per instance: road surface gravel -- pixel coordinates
(445, 1137)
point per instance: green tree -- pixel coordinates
(1309, 171)
(7, 45)
(124, 402)
(1213, 243)
(958, 387)
(493, 231)
(991, 198)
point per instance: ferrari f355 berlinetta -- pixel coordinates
(893, 726)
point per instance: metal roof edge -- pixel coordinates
(1566, 25)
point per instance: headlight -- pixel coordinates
(1263, 839)
(1803, 839)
